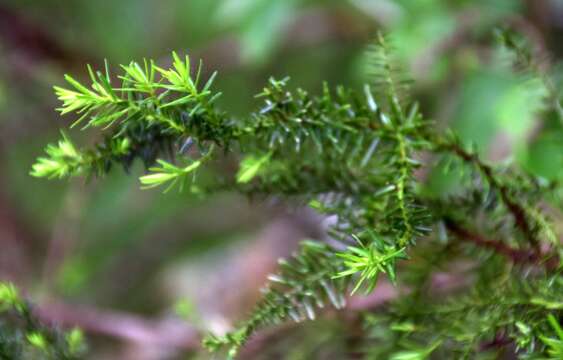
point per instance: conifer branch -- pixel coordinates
(302, 285)
(528, 220)
(347, 155)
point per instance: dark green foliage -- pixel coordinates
(354, 156)
(499, 314)
(24, 336)
(303, 284)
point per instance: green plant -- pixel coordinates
(354, 156)
(24, 336)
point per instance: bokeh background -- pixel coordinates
(144, 273)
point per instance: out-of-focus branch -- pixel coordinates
(515, 208)
(162, 333)
(517, 256)
(177, 334)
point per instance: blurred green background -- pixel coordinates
(106, 246)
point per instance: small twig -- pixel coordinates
(500, 341)
(516, 209)
(517, 256)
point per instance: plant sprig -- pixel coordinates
(352, 157)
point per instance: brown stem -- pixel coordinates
(516, 209)
(517, 256)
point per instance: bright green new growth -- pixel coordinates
(370, 261)
(250, 166)
(64, 160)
(9, 297)
(169, 173)
(353, 156)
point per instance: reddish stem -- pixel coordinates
(517, 256)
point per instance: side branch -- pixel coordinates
(517, 256)
(516, 209)
(118, 325)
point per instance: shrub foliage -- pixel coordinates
(359, 157)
